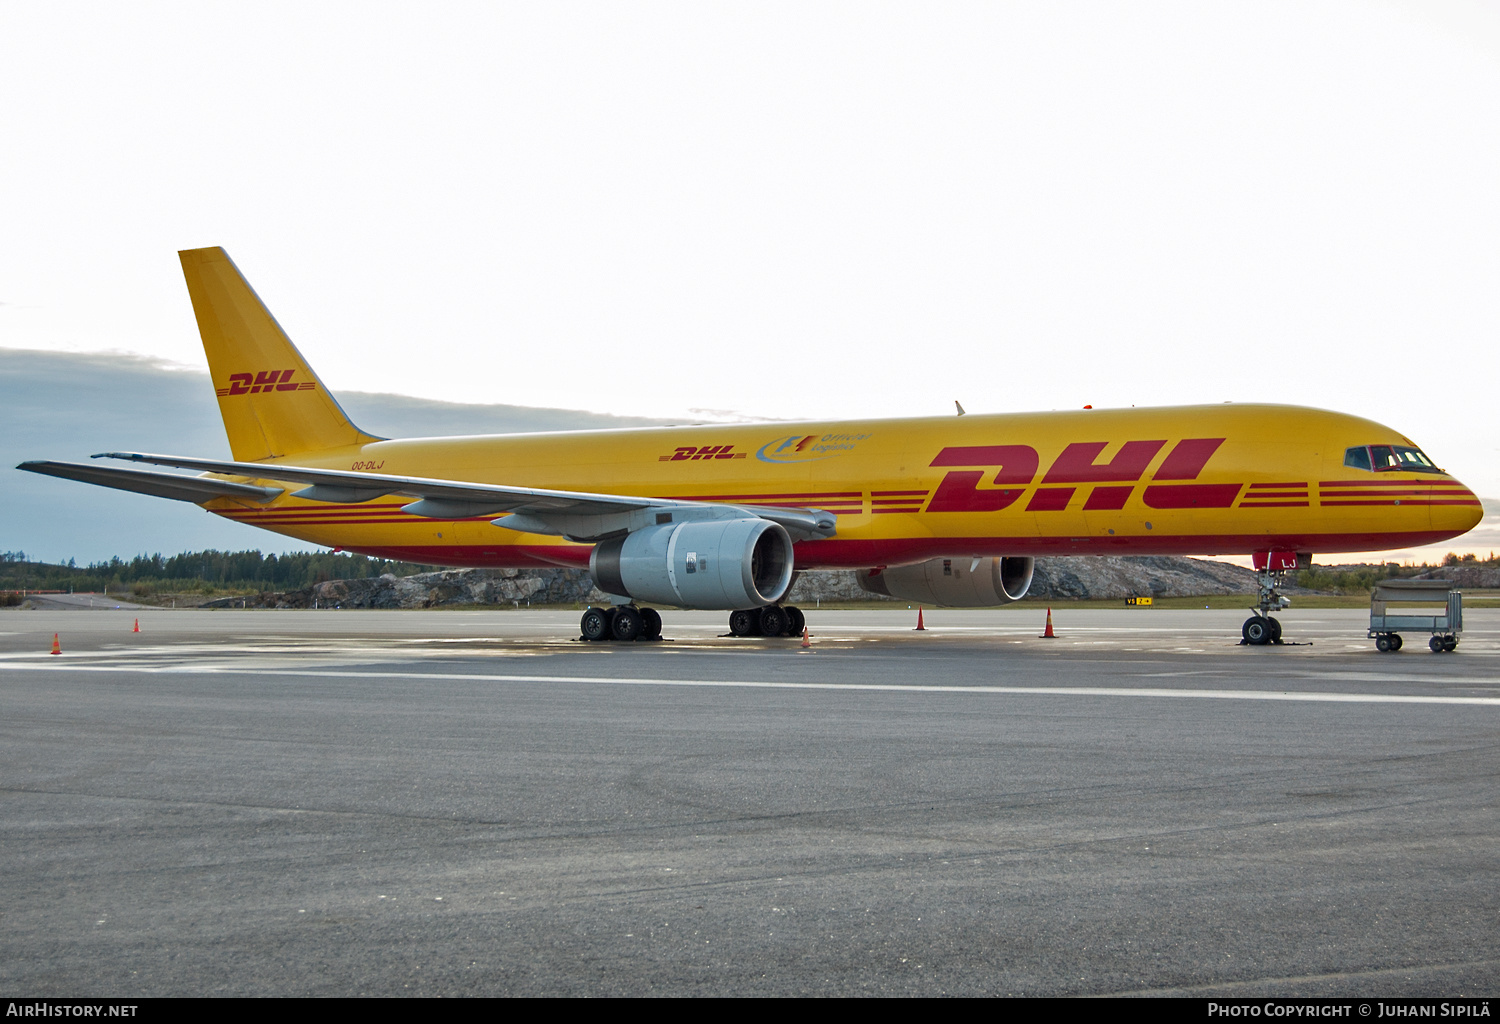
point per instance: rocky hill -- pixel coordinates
(1466, 577)
(1056, 579)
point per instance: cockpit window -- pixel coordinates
(1389, 458)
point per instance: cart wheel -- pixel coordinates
(1437, 645)
(1395, 641)
(1450, 644)
(1382, 643)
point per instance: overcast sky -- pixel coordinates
(829, 210)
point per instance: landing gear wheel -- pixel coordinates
(650, 624)
(595, 624)
(745, 622)
(796, 621)
(1275, 630)
(773, 620)
(1382, 643)
(1395, 641)
(1256, 630)
(1450, 643)
(1437, 645)
(627, 624)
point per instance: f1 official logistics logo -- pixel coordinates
(808, 447)
(264, 380)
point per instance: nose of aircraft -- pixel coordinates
(1456, 509)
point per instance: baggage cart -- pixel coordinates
(1443, 620)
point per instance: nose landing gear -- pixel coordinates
(1261, 628)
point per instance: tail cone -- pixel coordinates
(919, 619)
(56, 646)
(1048, 634)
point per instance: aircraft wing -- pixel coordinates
(577, 514)
(144, 481)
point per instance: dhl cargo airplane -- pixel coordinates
(943, 511)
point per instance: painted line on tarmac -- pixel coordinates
(757, 684)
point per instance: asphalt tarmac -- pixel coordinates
(464, 803)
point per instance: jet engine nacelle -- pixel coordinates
(713, 564)
(948, 581)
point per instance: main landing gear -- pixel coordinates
(772, 620)
(624, 623)
(1261, 628)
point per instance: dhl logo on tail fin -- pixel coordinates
(264, 380)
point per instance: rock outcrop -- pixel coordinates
(1057, 579)
(1464, 577)
(1079, 578)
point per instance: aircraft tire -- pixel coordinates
(626, 625)
(1275, 630)
(595, 624)
(650, 624)
(744, 622)
(795, 619)
(773, 620)
(1256, 630)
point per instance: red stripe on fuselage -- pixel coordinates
(1408, 482)
(837, 553)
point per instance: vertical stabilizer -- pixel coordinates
(272, 402)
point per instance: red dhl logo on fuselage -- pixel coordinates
(959, 490)
(258, 381)
(1116, 480)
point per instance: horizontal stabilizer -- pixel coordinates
(196, 489)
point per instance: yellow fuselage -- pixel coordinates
(1215, 479)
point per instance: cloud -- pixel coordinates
(67, 406)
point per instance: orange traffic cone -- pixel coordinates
(137, 628)
(56, 647)
(919, 618)
(1048, 634)
(805, 642)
